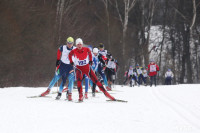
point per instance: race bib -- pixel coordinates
(82, 62)
(152, 68)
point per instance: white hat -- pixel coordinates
(95, 50)
(79, 41)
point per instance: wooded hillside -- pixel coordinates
(32, 30)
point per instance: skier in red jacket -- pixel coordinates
(153, 68)
(83, 60)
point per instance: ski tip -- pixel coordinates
(117, 100)
(37, 96)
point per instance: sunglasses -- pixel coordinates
(70, 43)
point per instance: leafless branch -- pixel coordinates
(117, 7)
(178, 11)
(194, 14)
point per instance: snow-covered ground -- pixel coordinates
(161, 109)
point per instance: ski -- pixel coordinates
(54, 92)
(38, 96)
(117, 100)
(73, 101)
(78, 101)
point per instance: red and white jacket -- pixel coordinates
(81, 57)
(153, 68)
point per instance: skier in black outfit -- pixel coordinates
(130, 75)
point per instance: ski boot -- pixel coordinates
(80, 97)
(58, 96)
(45, 93)
(69, 96)
(86, 95)
(108, 88)
(64, 90)
(93, 94)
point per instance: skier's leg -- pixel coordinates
(79, 77)
(155, 79)
(130, 78)
(139, 79)
(104, 77)
(135, 78)
(94, 79)
(86, 87)
(151, 80)
(64, 78)
(86, 84)
(54, 80)
(71, 82)
(52, 83)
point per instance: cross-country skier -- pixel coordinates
(139, 71)
(153, 68)
(131, 75)
(116, 69)
(99, 59)
(110, 69)
(145, 74)
(83, 63)
(64, 69)
(102, 66)
(168, 77)
(102, 50)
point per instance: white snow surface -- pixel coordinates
(160, 109)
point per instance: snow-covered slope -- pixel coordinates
(161, 109)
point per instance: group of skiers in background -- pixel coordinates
(139, 74)
(97, 67)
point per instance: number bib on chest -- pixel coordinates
(152, 68)
(82, 62)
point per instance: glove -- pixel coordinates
(104, 68)
(57, 63)
(90, 62)
(72, 63)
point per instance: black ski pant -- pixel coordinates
(140, 78)
(152, 79)
(168, 80)
(134, 78)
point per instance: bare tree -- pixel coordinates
(147, 13)
(106, 21)
(63, 8)
(123, 17)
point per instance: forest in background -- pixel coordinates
(31, 32)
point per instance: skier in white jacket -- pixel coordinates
(168, 77)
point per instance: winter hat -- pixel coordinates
(101, 45)
(70, 40)
(151, 60)
(79, 41)
(137, 64)
(95, 50)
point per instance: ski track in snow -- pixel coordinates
(161, 109)
(186, 113)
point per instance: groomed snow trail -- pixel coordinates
(161, 109)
